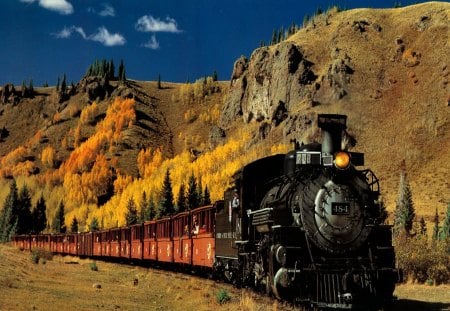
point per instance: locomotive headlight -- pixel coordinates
(342, 160)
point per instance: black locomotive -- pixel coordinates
(308, 226)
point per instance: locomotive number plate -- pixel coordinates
(340, 208)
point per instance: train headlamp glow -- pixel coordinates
(342, 160)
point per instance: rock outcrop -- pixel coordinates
(8, 94)
(264, 87)
(96, 88)
(275, 79)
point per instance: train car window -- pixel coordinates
(149, 230)
(163, 229)
(203, 221)
(181, 226)
(105, 236)
(97, 237)
(136, 232)
(125, 234)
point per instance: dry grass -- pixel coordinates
(68, 283)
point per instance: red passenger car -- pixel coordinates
(97, 244)
(203, 243)
(85, 242)
(58, 243)
(114, 241)
(106, 247)
(125, 239)
(44, 242)
(164, 240)
(70, 244)
(22, 242)
(182, 243)
(149, 242)
(137, 232)
(34, 241)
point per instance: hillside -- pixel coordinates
(388, 70)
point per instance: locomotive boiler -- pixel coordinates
(309, 227)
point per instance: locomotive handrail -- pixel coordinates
(267, 209)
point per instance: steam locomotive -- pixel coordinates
(304, 226)
(309, 227)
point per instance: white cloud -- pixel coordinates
(60, 6)
(152, 43)
(102, 35)
(109, 39)
(66, 32)
(108, 10)
(148, 23)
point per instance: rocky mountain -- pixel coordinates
(387, 69)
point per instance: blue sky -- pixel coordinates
(180, 40)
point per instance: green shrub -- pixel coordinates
(93, 266)
(35, 256)
(423, 261)
(42, 255)
(222, 296)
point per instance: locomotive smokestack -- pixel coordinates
(332, 126)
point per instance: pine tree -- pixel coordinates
(74, 225)
(93, 226)
(151, 214)
(206, 196)
(111, 70)
(31, 87)
(192, 194)
(121, 73)
(63, 85)
(57, 84)
(143, 208)
(159, 81)
(274, 37)
(306, 19)
(89, 71)
(166, 206)
(24, 221)
(9, 214)
(39, 216)
(181, 199)
(24, 89)
(436, 226)
(445, 230)
(404, 211)
(59, 224)
(214, 76)
(131, 217)
(422, 227)
(200, 192)
(103, 68)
